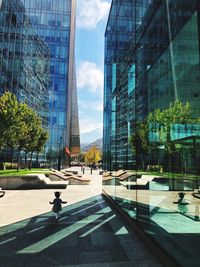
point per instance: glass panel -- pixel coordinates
(153, 141)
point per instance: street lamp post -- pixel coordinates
(125, 156)
(59, 154)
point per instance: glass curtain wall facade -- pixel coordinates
(160, 71)
(24, 59)
(124, 19)
(167, 70)
(54, 21)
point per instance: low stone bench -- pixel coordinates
(31, 181)
(72, 179)
(73, 172)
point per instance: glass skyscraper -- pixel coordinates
(54, 21)
(124, 19)
(24, 59)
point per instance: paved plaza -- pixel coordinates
(89, 232)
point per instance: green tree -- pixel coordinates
(93, 155)
(34, 137)
(20, 125)
(10, 120)
(139, 139)
(139, 142)
(161, 122)
(158, 125)
(31, 127)
(41, 142)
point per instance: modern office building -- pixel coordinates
(124, 19)
(158, 70)
(54, 21)
(24, 59)
(53, 25)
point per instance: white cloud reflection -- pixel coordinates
(91, 12)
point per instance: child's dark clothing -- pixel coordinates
(57, 205)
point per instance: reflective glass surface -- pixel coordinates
(37, 64)
(124, 18)
(24, 59)
(51, 20)
(154, 175)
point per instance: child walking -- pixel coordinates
(57, 207)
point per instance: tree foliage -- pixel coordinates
(93, 155)
(155, 131)
(41, 140)
(21, 128)
(10, 120)
(139, 139)
(176, 113)
(162, 120)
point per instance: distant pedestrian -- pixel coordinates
(182, 204)
(57, 204)
(181, 199)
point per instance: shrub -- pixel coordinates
(154, 167)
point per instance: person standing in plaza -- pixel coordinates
(57, 204)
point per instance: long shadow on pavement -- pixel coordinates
(89, 233)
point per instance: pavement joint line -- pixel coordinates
(87, 208)
(103, 210)
(50, 259)
(8, 240)
(34, 230)
(97, 226)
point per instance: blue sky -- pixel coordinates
(90, 27)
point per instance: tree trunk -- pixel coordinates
(18, 160)
(143, 162)
(37, 158)
(25, 159)
(30, 163)
(12, 153)
(5, 154)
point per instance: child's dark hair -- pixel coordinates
(57, 194)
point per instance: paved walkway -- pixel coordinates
(89, 232)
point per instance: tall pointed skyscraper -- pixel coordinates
(54, 22)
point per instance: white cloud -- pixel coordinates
(90, 77)
(91, 12)
(93, 106)
(87, 125)
(98, 106)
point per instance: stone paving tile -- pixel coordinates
(117, 264)
(103, 238)
(111, 264)
(94, 257)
